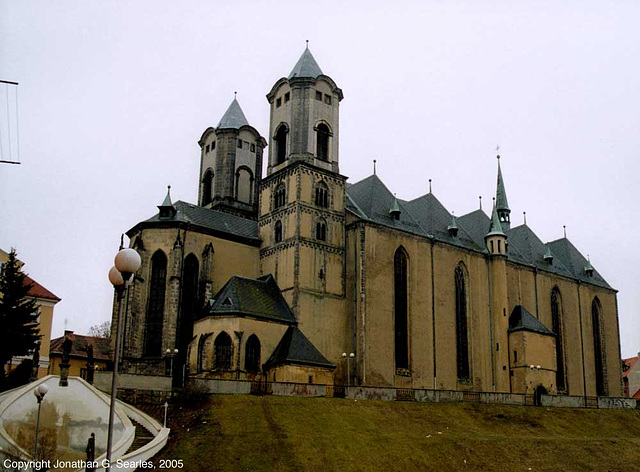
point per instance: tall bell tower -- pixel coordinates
(302, 203)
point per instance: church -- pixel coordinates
(300, 276)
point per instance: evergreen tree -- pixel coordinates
(19, 329)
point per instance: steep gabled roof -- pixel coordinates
(295, 348)
(575, 262)
(209, 219)
(533, 250)
(476, 225)
(374, 200)
(38, 291)
(521, 320)
(234, 117)
(306, 66)
(257, 298)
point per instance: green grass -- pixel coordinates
(291, 434)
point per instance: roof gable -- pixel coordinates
(295, 348)
(521, 320)
(258, 298)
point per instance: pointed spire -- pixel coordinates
(234, 117)
(496, 226)
(502, 206)
(306, 66)
(453, 226)
(167, 210)
(395, 209)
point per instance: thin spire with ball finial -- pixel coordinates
(429, 185)
(374, 167)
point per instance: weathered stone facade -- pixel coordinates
(422, 299)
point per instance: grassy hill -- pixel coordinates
(295, 434)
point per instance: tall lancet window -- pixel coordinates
(223, 352)
(252, 354)
(322, 145)
(281, 144)
(207, 187)
(155, 307)
(462, 337)
(556, 324)
(598, 348)
(401, 331)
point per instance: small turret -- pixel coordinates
(495, 239)
(395, 209)
(167, 210)
(453, 226)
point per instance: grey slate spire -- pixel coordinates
(501, 200)
(233, 117)
(306, 66)
(496, 226)
(167, 210)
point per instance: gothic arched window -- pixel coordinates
(279, 196)
(252, 354)
(244, 184)
(322, 195)
(281, 144)
(321, 230)
(598, 348)
(222, 352)
(188, 301)
(401, 332)
(155, 307)
(556, 324)
(322, 144)
(462, 339)
(278, 232)
(207, 187)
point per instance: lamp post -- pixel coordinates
(351, 356)
(40, 391)
(171, 355)
(127, 261)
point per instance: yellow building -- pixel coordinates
(78, 355)
(282, 275)
(45, 301)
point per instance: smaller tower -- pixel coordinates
(495, 239)
(231, 164)
(501, 201)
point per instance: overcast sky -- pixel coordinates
(114, 96)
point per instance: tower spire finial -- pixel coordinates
(374, 167)
(524, 214)
(502, 206)
(564, 228)
(307, 41)
(429, 185)
(480, 198)
(235, 94)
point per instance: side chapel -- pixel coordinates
(276, 277)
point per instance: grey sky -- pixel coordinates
(113, 97)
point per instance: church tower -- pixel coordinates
(302, 204)
(231, 165)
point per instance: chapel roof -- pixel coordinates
(575, 262)
(257, 298)
(295, 348)
(521, 320)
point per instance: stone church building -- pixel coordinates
(276, 277)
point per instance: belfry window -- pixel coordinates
(279, 196)
(281, 144)
(322, 195)
(207, 184)
(556, 324)
(278, 232)
(401, 332)
(598, 348)
(223, 352)
(462, 340)
(252, 354)
(322, 145)
(155, 310)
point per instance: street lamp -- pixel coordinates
(40, 391)
(171, 355)
(351, 356)
(127, 261)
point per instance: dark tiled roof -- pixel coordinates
(295, 348)
(211, 220)
(38, 291)
(476, 224)
(234, 117)
(258, 298)
(532, 250)
(575, 262)
(521, 320)
(79, 343)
